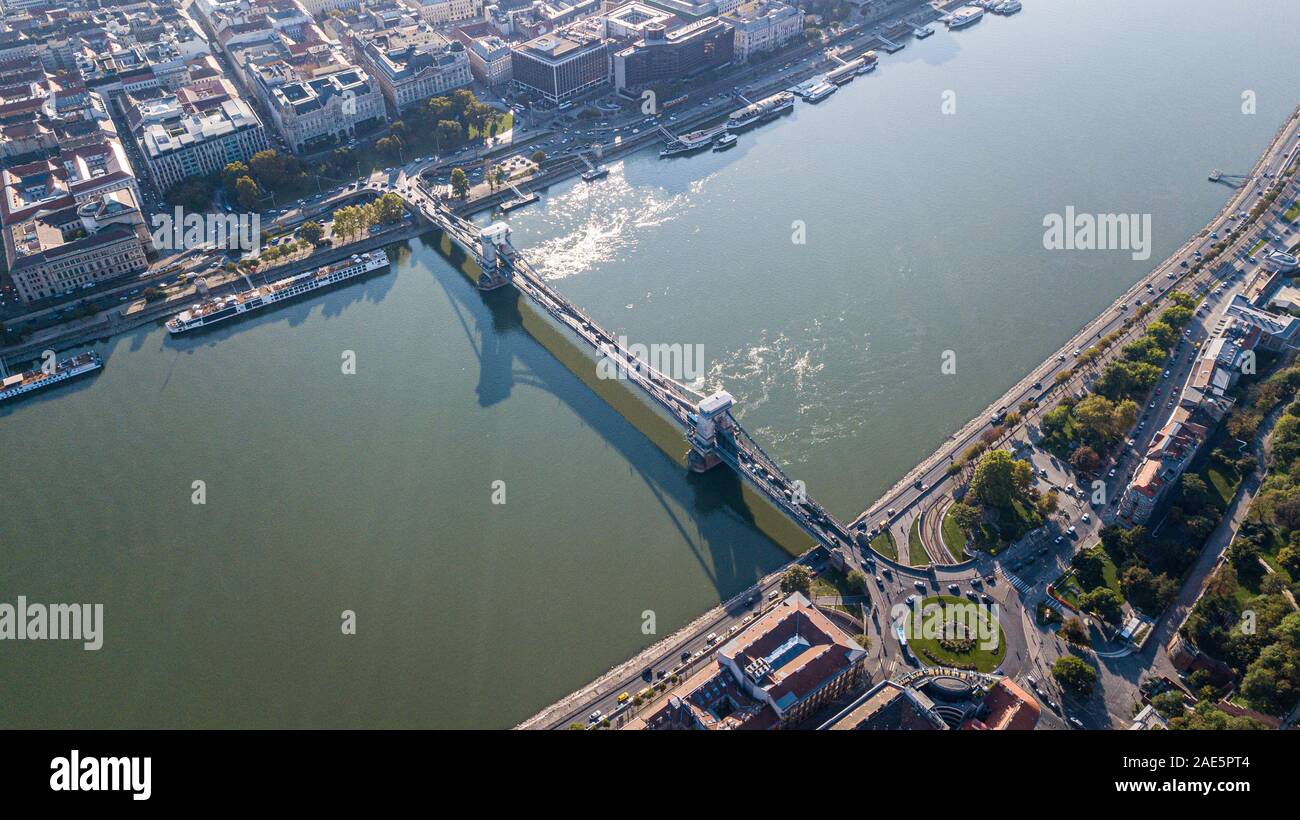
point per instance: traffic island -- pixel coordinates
(957, 633)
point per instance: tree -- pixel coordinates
(388, 208)
(1048, 503)
(1089, 568)
(1075, 632)
(1000, 480)
(1289, 558)
(459, 183)
(1194, 493)
(1169, 704)
(390, 147)
(232, 172)
(1085, 460)
(268, 167)
(856, 579)
(797, 578)
(1103, 602)
(539, 156)
(1074, 674)
(1147, 591)
(311, 231)
(966, 516)
(248, 192)
(1206, 716)
(450, 133)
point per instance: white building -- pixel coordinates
(178, 144)
(414, 63)
(437, 12)
(763, 26)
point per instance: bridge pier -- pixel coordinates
(496, 270)
(711, 414)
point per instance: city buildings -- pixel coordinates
(197, 131)
(413, 63)
(489, 54)
(438, 12)
(776, 673)
(563, 64)
(666, 55)
(888, 706)
(762, 27)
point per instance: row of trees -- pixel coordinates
(352, 220)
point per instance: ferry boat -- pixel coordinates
(20, 384)
(922, 32)
(690, 143)
(761, 111)
(820, 92)
(965, 16)
(845, 73)
(724, 142)
(227, 307)
(595, 173)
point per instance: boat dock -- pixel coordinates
(519, 200)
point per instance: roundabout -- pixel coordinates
(944, 630)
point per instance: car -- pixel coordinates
(919, 585)
(910, 599)
(1071, 531)
(954, 589)
(1166, 374)
(685, 656)
(986, 598)
(879, 582)
(1057, 540)
(596, 716)
(1076, 723)
(1086, 517)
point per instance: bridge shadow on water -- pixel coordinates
(735, 535)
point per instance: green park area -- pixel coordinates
(884, 544)
(916, 555)
(954, 538)
(956, 633)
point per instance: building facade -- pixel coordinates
(762, 27)
(562, 65)
(664, 55)
(415, 63)
(178, 144)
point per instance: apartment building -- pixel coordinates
(762, 27)
(440, 12)
(414, 63)
(180, 139)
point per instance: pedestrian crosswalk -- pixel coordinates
(1016, 581)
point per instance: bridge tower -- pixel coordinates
(493, 240)
(711, 415)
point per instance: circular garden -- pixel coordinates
(957, 633)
